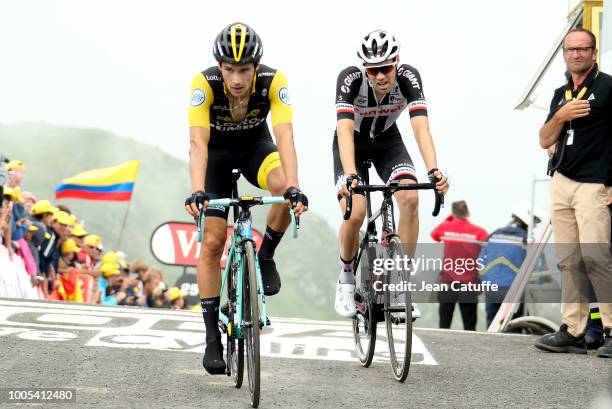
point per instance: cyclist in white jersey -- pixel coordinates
(369, 100)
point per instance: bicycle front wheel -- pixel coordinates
(237, 360)
(251, 321)
(398, 314)
(364, 333)
(235, 346)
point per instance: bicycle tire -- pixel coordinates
(364, 324)
(235, 346)
(398, 320)
(237, 361)
(251, 316)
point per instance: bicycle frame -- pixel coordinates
(386, 211)
(242, 232)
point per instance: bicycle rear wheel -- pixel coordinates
(251, 321)
(398, 314)
(364, 323)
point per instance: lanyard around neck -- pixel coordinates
(569, 95)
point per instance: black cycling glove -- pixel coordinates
(198, 198)
(295, 195)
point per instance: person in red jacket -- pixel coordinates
(462, 241)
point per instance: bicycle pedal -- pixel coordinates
(268, 323)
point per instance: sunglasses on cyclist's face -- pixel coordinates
(385, 69)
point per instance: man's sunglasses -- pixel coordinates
(385, 69)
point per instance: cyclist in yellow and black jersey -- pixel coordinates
(228, 130)
(211, 108)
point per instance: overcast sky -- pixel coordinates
(126, 66)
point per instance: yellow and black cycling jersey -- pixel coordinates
(210, 107)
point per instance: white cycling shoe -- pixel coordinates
(345, 300)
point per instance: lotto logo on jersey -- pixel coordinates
(197, 97)
(283, 94)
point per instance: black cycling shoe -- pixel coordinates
(269, 276)
(605, 351)
(213, 358)
(562, 341)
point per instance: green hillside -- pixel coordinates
(52, 153)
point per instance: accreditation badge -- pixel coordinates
(570, 137)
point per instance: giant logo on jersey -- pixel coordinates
(348, 80)
(197, 97)
(411, 77)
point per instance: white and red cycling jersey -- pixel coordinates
(355, 100)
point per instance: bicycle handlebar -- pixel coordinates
(392, 188)
(248, 201)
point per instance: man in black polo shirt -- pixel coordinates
(580, 124)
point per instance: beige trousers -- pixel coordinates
(581, 221)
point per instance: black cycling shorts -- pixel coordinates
(387, 153)
(255, 163)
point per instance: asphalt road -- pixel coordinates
(135, 358)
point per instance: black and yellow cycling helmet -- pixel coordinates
(238, 44)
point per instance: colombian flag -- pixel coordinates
(109, 184)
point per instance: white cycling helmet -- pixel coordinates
(377, 47)
(522, 211)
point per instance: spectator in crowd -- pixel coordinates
(68, 286)
(34, 237)
(30, 199)
(16, 170)
(23, 250)
(503, 255)
(91, 253)
(20, 224)
(78, 234)
(580, 124)
(35, 220)
(154, 288)
(63, 225)
(461, 243)
(137, 271)
(109, 283)
(42, 214)
(50, 248)
(90, 257)
(6, 214)
(68, 260)
(176, 298)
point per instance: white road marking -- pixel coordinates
(182, 331)
(74, 319)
